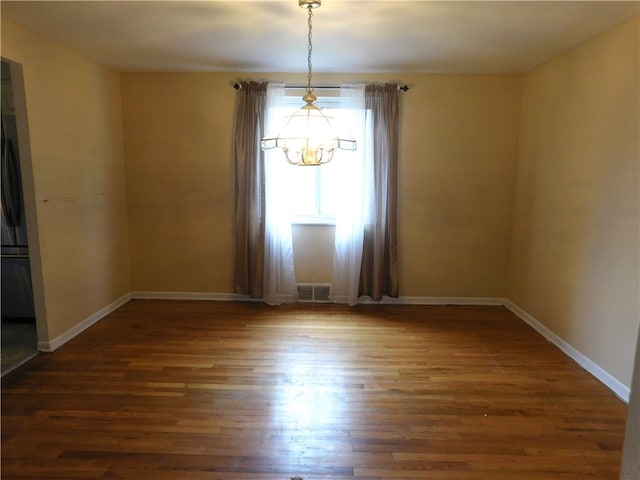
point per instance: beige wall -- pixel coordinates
(575, 258)
(458, 151)
(313, 252)
(74, 118)
(178, 138)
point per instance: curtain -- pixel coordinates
(353, 189)
(249, 189)
(365, 251)
(279, 275)
(379, 268)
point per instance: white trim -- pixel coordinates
(221, 297)
(436, 301)
(617, 387)
(50, 346)
(234, 297)
(314, 220)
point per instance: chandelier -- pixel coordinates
(307, 137)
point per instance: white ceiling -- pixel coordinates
(348, 36)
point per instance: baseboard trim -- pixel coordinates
(221, 297)
(51, 345)
(617, 387)
(234, 297)
(484, 301)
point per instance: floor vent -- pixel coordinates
(313, 292)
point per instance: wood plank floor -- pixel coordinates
(214, 390)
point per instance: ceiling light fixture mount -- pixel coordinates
(309, 3)
(307, 137)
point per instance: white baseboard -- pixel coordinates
(617, 387)
(436, 301)
(60, 340)
(221, 297)
(234, 297)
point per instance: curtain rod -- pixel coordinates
(237, 86)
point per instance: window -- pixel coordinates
(312, 189)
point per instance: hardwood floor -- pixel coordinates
(212, 390)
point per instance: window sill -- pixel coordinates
(313, 221)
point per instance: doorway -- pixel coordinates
(18, 327)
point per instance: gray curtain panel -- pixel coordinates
(249, 189)
(379, 270)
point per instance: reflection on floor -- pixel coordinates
(19, 342)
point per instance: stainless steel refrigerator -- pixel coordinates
(17, 294)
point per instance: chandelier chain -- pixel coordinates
(309, 50)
